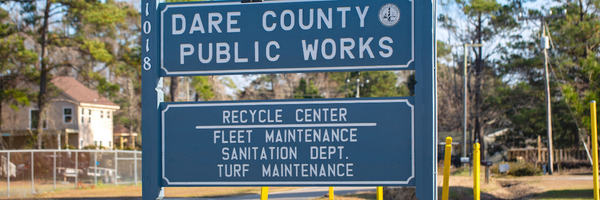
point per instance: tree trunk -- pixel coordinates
(327, 93)
(130, 111)
(4, 146)
(478, 89)
(174, 89)
(1, 119)
(43, 78)
(275, 85)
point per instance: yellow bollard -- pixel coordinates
(476, 164)
(330, 193)
(379, 192)
(594, 147)
(447, 159)
(264, 193)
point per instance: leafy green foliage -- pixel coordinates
(518, 169)
(380, 84)
(204, 90)
(574, 78)
(98, 50)
(474, 7)
(103, 86)
(306, 90)
(16, 65)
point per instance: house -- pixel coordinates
(122, 135)
(75, 118)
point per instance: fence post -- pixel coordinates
(539, 148)
(560, 159)
(76, 168)
(54, 171)
(95, 168)
(32, 164)
(8, 177)
(116, 168)
(135, 167)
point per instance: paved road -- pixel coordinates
(299, 194)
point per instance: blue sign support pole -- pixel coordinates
(425, 100)
(151, 98)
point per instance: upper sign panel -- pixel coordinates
(286, 37)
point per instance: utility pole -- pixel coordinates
(465, 74)
(357, 88)
(358, 85)
(545, 46)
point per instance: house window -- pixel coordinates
(95, 143)
(90, 119)
(82, 111)
(101, 114)
(90, 111)
(100, 143)
(68, 115)
(82, 121)
(33, 119)
(108, 115)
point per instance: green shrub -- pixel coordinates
(518, 169)
(91, 146)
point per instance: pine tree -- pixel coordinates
(83, 45)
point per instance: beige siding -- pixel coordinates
(97, 127)
(15, 119)
(93, 128)
(56, 116)
(21, 119)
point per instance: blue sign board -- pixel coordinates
(292, 142)
(286, 37)
(332, 142)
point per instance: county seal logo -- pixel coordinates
(389, 14)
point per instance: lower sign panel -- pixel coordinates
(289, 143)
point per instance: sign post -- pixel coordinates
(332, 142)
(152, 96)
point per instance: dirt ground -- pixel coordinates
(136, 191)
(572, 184)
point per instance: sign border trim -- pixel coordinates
(253, 183)
(281, 70)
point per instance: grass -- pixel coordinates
(566, 194)
(462, 171)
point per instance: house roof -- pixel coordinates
(79, 92)
(122, 131)
(456, 137)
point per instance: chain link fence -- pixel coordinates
(24, 173)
